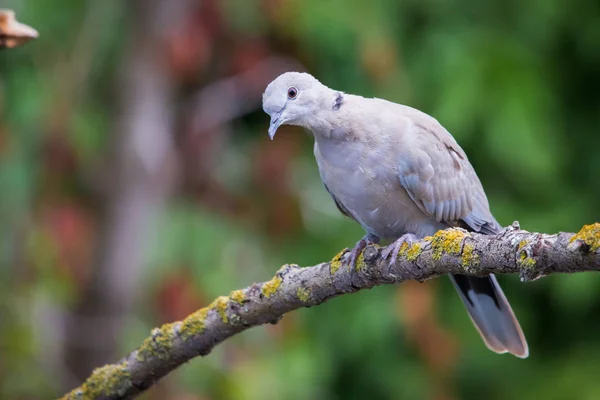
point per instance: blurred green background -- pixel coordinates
(137, 183)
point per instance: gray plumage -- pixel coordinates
(399, 174)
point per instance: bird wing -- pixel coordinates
(339, 204)
(439, 178)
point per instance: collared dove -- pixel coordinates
(398, 173)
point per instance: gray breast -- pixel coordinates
(366, 185)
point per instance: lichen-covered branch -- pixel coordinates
(531, 255)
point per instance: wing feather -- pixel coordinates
(339, 204)
(440, 179)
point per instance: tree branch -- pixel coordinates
(531, 255)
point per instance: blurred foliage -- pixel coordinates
(517, 83)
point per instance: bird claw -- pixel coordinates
(351, 260)
(394, 248)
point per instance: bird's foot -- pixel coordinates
(392, 250)
(351, 260)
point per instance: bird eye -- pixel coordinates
(292, 93)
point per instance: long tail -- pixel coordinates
(490, 312)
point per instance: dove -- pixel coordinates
(402, 176)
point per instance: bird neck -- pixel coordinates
(329, 118)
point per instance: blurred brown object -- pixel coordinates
(209, 114)
(273, 162)
(436, 346)
(5, 141)
(191, 46)
(379, 58)
(142, 171)
(178, 295)
(12, 32)
(72, 230)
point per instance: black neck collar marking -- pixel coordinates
(337, 103)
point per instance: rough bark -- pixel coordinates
(531, 255)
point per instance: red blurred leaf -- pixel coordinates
(190, 46)
(178, 296)
(272, 177)
(72, 229)
(247, 54)
(59, 156)
(189, 52)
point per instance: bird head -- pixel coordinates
(291, 98)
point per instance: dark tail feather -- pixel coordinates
(490, 312)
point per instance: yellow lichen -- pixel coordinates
(336, 262)
(220, 304)
(159, 343)
(403, 248)
(238, 296)
(525, 261)
(164, 335)
(528, 263)
(161, 340)
(590, 235)
(522, 244)
(360, 261)
(413, 251)
(269, 288)
(111, 380)
(303, 294)
(194, 323)
(76, 394)
(469, 257)
(447, 241)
